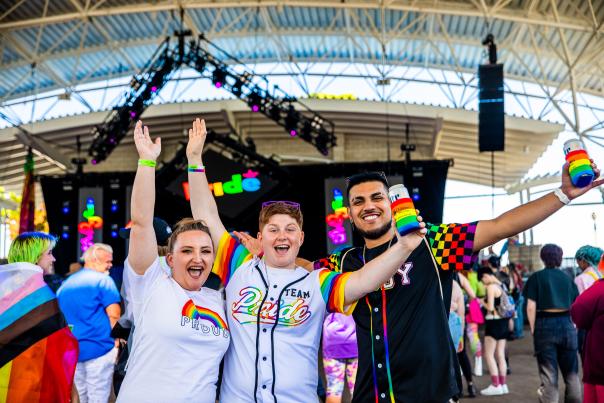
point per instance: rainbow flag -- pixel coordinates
(28, 198)
(38, 352)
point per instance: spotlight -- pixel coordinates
(66, 207)
(415, 194)
(236, 88)
(275, 112)
(200, 64)
(254, 101)
(306, 131)
(218, 77)
(114, 206)
(154, 88)
(291, 121)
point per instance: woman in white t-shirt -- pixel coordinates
(181, 330)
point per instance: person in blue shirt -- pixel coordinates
(90, 301)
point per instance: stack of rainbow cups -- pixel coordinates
(580, 170)
(403, 210)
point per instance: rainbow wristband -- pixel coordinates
(196, 168)
(147, 163)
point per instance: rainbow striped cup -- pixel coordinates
(580, 170)
(403, 210)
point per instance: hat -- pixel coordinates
(161, 228)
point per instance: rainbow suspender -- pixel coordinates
(385, 324)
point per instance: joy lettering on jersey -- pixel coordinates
(203, 320)
(403, 271)
(293, 313)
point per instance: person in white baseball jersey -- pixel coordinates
(275, 308)
(181, 331)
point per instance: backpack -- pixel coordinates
(506, 308)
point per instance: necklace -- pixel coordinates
(365, 249)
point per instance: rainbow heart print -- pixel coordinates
(580, 170)
(403, 210)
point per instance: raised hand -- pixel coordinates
(412, 240)
(147, 149)
(197, 138)
(573, 192)
(252, 244)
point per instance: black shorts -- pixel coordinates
(497, 328)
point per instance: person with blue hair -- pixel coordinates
(588, 258)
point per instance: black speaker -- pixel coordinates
(491, 117)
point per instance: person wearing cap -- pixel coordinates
(549, 294)
(276, 308)
(181, 332)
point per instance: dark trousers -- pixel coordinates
(555, 342)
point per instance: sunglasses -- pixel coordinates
(287, 203)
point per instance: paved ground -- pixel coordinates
(523, 381)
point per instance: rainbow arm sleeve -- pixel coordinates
(229, 257)
(332, 290)
(452, 244)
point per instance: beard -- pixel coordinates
(376, 233)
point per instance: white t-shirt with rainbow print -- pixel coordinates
(180, 339)
(276, 318)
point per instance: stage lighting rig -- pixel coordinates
(260, 96)
(144, 87)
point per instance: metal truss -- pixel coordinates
(553, 48)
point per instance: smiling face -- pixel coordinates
(370, 210)
(191, 259)
(46, 261)
(281, 238)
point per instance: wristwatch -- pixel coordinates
(562, 197)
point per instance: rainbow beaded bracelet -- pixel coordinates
(196, 168)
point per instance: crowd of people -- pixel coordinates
(205, 314)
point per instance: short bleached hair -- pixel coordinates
(90, 253)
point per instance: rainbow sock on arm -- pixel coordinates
(580, 170)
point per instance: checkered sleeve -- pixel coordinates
(229, 257)
(452, 245)
(331, 262)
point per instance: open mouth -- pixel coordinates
(281, 249)
(195, 271)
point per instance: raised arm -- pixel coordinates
(530, 214)
(379, 270)
(203, 204)
(142, 250)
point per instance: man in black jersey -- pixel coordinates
(405, 350)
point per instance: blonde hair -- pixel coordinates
(90, 253)
(184, 225)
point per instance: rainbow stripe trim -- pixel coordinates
(580, 170)
(230, 256)
(196, 312)
(333, 286)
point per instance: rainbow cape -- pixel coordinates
(38, 352)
